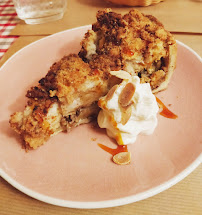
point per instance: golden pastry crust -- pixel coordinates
(133, 42)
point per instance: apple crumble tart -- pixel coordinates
(65, 98)
(134, 42)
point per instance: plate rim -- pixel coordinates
(107, 203)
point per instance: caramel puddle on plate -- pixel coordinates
(115, 151)
(165, 111)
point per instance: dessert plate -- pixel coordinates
(70, 169)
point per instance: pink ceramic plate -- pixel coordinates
(70, 169)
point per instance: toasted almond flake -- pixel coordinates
(111, 92)
(122, 158)
(126, 95)
(121, 74)
(126, 114)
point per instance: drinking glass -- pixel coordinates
(40, 11)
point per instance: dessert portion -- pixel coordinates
(128, 109)
(134, 42)
(65, 98)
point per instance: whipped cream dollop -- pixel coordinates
(128, 109)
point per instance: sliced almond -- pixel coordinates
(126, 95)
(121, 74)
(111, 92)
(122, 158)
(126, 114)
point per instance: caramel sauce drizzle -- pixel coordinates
(113, 151)
(165, 111)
